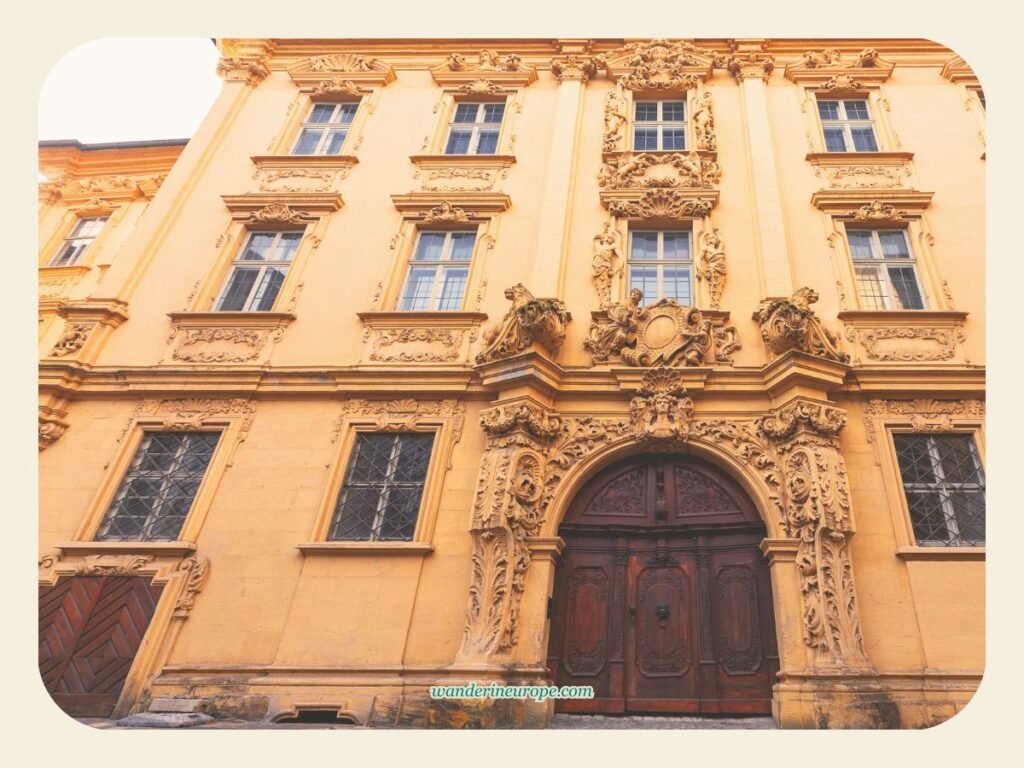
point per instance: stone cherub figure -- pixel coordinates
(614, 120)
(704, 123)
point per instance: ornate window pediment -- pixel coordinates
(661, 65)
(488, 72)
(832, 70)
(344, 74)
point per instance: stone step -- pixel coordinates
(659, 722)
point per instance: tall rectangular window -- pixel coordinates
(258, 272)
(945, 489)
(474, 128)
(325, 129)
(159, 487)
(661, 265)
(380, 498)
(847, 125)
(438, 270)
(659, 125)
(885, 269)
(75, 244)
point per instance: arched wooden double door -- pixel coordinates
(662, 597)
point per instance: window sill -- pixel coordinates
(844, 158)
(405, 318)
(941, 554)
(173, 548)
(287, 161)
(344, 548)
(66, 270)
(233, 319)
(914, 316)
(443, 159)
(704, 154)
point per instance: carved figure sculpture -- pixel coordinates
(704, 123)
(528, 320)
(712, 266)
(620, 332)
(789, 323)
(606, 257)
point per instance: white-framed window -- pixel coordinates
(158, 489)
(380, 497)
(659, 125)
(847, 125)
(661, 265)
(438, 271)
(945, 488)
(76, 243)
(325, 129)
(258, 272)
(474, 128)
(885, 269)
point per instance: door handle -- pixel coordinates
(661, 612)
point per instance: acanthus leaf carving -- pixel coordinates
(72, 339)
(50, 431)
(190, 413)
(878, 211)
(446, 212)
(277, 213)
(923, 414)
(790, 323)
(946, 339)
(528, 321)
(663, 65)
(449, 340)
(197, 570)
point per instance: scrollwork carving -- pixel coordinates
(446, 212)
(946, 339)
(642, 170)
(529, 320)
(661, 204)
(197, 570)
(878, 211)
(277, 213)
(790, 323)
(72, 340)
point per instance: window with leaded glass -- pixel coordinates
(158, 489)
(847, 125)
(76, 243)
(380, 498)
(474, 128)
(258, 272)
(438, 270)
(659, 125)
(661, 265)
(945, 488)
(885, 269)
(325, 129)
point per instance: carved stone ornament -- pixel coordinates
(249, 70)
(529, 320)
(790, 323)
(704, 123)
(923, 414)
(662, 334)
(72, 340)
(818, 514)
(864, 176)
(751, 65)
(190, 413)
(606, 262)
(220, 345)
(661, 410)
(642, 170)
(661, 204)
(401, 415)
(197, 570)
(341, 62)
(877, 342)
(444, 345)
(661, 65)
(575, 66)
(482, 86)
(842, 82)
(446, 212)
(486, 60)
(831, 57)
(50, 431)
(277, 213)
(615, 121)
(831, 69)
(486, 72)
(338, 86)
(878, 211)
(713, 266)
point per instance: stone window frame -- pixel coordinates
(698, 226)
(232, 424)
(888, 140)
(881, 427)
(882, 264)
(366, 99)
(434, 142)
(439, 266)
(642, 227)
(96, 208)
(689, 96)
(373, 417)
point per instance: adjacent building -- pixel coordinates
(653, 366)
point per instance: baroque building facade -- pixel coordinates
(654, 366)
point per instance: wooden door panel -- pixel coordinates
(90, 630)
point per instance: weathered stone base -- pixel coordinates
(876, 701)
(382, 700)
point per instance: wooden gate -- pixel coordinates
(662, 598)
(90, 629)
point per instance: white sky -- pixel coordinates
(130, 90)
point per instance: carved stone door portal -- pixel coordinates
(663, 600)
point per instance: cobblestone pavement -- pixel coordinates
(560, 722)
(653, 722)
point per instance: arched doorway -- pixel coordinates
(662, 596)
